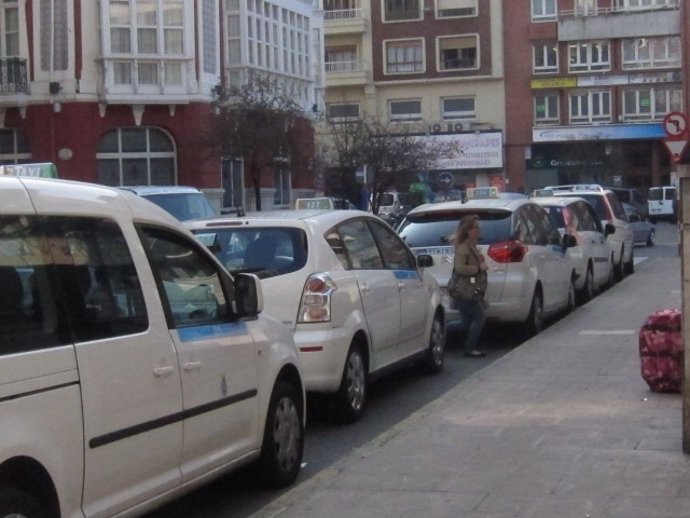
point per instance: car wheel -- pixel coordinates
(351, 396)
(535, 321)
(16, 503)
(437, 347)
(587, 292)
(629, 267)
(619, 269)
(283, 442)
(651, 238)
(571, 303)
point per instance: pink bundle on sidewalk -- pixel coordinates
(661, 351)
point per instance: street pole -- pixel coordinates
(684, 213)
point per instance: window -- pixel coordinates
(359, 244)
(586, 7)
(136, 156)
(188, 281)
(650, 103)
(401, 10)
(588, 56)
(153, 30)
(395, 254)
(546, 109)
(54, 32)
(544, 10)
(9, 29)
(651, 52)
(545, 57)
(405, 110)
(454, 108)
(341, 59)
(455, 8)
(404, 56)
(14, 147)
(457, 53)
(281, 183)
(343, 112)
(590, 106)
(232, 171)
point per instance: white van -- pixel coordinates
(134, 367)
(663, 203)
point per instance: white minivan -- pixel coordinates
(663, 203)
(134, 367)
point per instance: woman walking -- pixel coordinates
(469, 263)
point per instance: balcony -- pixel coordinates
(614, 23)
(344, 21)
(13, 78)
(345, 73)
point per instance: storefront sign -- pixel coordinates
(553, 82)
(603, 132)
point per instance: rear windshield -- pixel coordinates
(265, 251)
(434, 229)
(596, 201)
(657, 194)
(184, 206)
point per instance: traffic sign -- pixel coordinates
(675, 125)
(676, 148)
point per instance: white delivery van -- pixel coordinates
(663, 203)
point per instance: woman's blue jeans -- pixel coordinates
(472, 312)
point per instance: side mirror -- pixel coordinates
(249, 299)
(609, 229)
(424, 261)
(569, 241)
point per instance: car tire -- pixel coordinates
(351, 396)
(651, 238)
(618, 270)
(283, 441)
(587, 292)
(629, 266)
(435, 355)
(16, 503)
(535, 321)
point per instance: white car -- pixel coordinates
(346, 285)
(663, 203)
(134, 368)
(591, 256)
(183, 202)
(610, 210)
(530, 276)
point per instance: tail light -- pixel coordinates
(507, 251)
(315, 305)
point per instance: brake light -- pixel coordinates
(507, 251)
(315, 305)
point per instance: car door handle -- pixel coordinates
(191, 366)
(162, 371)
(364, 287)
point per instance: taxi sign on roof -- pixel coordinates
(38, 170)
(314, 203)
(482, 193)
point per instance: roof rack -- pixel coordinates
(575, 187)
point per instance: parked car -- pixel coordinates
(346, 285)
(181, 201)
(663, 204)
(644, 231)
(591, 256)
(631, 196)
(134, 367)
(610, 210)
(530, 276)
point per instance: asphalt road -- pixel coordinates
(392, 399)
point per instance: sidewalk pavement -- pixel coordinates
(563, 426)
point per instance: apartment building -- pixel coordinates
(588, 83)
(119, 92)
(430, 67)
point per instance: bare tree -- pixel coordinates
(258, 123)
(392, 155)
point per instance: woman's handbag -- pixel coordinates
(462, 287)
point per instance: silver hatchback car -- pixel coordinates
(530, 275)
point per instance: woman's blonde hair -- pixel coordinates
(464, 226)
